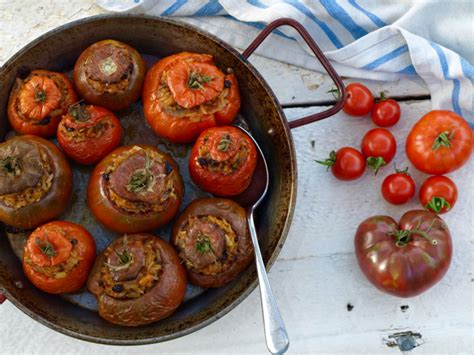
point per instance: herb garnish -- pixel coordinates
(224, 143)
(203, 244)
(195, 80)
(11, 165)
(79, 112)
(45, 246)
(141, 178)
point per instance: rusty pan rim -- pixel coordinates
(287, 223)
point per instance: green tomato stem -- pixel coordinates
(437, 203)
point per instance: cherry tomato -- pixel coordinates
(135, 189)
(438, 194)
(186, 93)
(58, 256)
(378, 147)
(37, 103)
(359, 100)
(223, 161)
(407, 258)
(398, 188)
(440, 142)
(386, 112)
(88, 133)
(110, 74)
(35, 182)
(346, 164)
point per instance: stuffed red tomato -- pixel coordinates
(186, 93)
(223, 161)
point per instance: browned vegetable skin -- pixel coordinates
(137, 279)
(109, 73)
(212, 238)
(35, 182)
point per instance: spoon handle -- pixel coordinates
(275, 331)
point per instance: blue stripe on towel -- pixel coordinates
(210, 9)
(408, 70)
(173, 8)
(456, 84)
(338, 13)
(467, 69)
(386, 57)
(302, 8)
(374, 18)
(257, 3)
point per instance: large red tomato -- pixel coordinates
(58, 256)
(223, 161)
(407, 258)
(440, 142)
(135, 189)
(185, 93)
(37, 103)
(88, 133)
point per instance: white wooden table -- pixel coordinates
(327, 304)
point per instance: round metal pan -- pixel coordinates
(155, 38)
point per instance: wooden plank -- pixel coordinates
(296, 86)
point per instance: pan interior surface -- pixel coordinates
(155, 38)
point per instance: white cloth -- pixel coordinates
(370, 39)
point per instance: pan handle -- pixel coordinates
(319, 55)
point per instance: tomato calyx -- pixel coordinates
(402, 171)
(443, 140)
(196, 80)
(383, 97)
(328, 161)
(403, 236)
(437, 203)
(40, 96)
(376, 163)
(336, 93)
(45, 246)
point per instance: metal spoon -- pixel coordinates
(275, 331)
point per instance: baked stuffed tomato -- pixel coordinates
(213, 241)
(109, 73)
(35, 182)
(88, 133)
(135, 189)
(38, 102)
(58, 256)
(138, 279)
(186, 93)
(223, 161)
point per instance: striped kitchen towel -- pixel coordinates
(371, 39)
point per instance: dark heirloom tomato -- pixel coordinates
(135, 188)
(88, 133)
(438, 194)
(137, 280)
(38, 102)
(405, 259)
(440, 142)
(109, 73)
(186, 93)
(212, 238)
(35, 182)
(378, 147)
(223, 161)
(58, 256)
